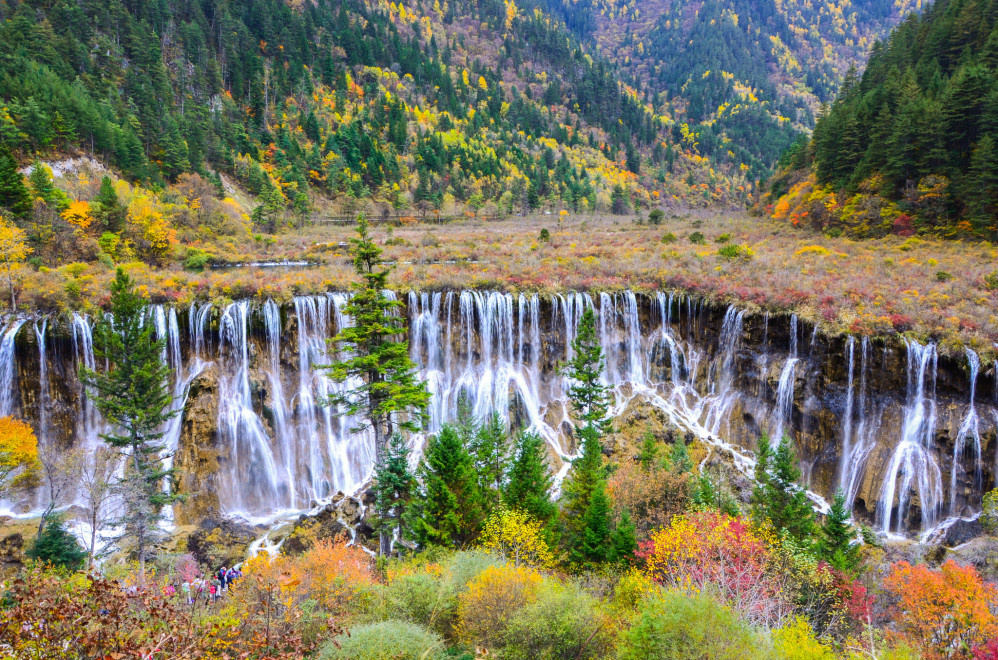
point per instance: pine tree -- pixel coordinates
(490, 448)
(14, 194)
(590, 401)
(623, 540)
(593, 544)
(42, 185)
(679, 457)
(836, 543)
(107, 208)
(451, 513)
(650, 454)
(528, 487)
(133, 396)
(777, 495)
(394, 487)
(57, 546)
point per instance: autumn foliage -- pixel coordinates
(516, 537)
(943, 612)
(18, 455)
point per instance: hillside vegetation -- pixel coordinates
(909, 147)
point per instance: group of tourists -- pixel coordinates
(210, 588)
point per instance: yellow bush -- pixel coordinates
(491, 600)
(816, 250)
(796, 641)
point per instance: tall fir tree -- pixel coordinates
(836, 536)
(450, 504)
(490, 448)
(593, 543)
(133, 395)
(108, 208)
(778, 497)
(623, 539)
(389, 397)
(528, 485)
(14, 195)
(394, 487)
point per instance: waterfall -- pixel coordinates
(969, 430)
(793, 335)
(912, 462)
(43, 384)
(250, 459)
(784, 399)
(8, 368)
(89, 423)
(286, 441)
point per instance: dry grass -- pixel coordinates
(871, 287)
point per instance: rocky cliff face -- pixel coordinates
(907, 433)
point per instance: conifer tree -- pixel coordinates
(490, 448)
(649, 456)
(593, 544)
(57, 546)
(623, 540)
(389, 398)
(451, 513)
(394, 487)
(133, 395)
(528, 487)
(584, 519)
(679, 457)
(778, 497)
(836, 543)
(108, 208)
(42, 185)
(14, 194)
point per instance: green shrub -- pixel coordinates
(989, 513)
(109, 243)
(196, 259)
(57, 546)
(697, 238)
(991, 281)
(545, 235)
(736, 252)
(669, 238)
(73, 289)
(655, 216)
(464, 567)
(675, 626)
(422, 599)
(564, 622)
(386, 640)
(943, 276)
(723, 238)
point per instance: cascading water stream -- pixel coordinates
(8, 368)
(784, 399)
(912, 464)
(969, 431)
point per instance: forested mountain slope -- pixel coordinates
(425, 105)
(744, 75)
(910, 146)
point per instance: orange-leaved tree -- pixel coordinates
(18, 455)
(944, 612)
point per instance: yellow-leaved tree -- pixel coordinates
(18, 455)
(516, 537)
(78, 215)
(150, 229)
(13, 250)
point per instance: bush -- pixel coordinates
(386, 640)
(943, 276)
(723, 238)
(466, 566)
(564, 623)
(57, 546)
(989, 513)
(423, 599)
(669, 238)
(196, 259)
(492, 598)
(675, 626)
(545, 235)
(697, 238)
(655, 216)
(991, 281)
(736, 252)
(518, 538)
(796, 641)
